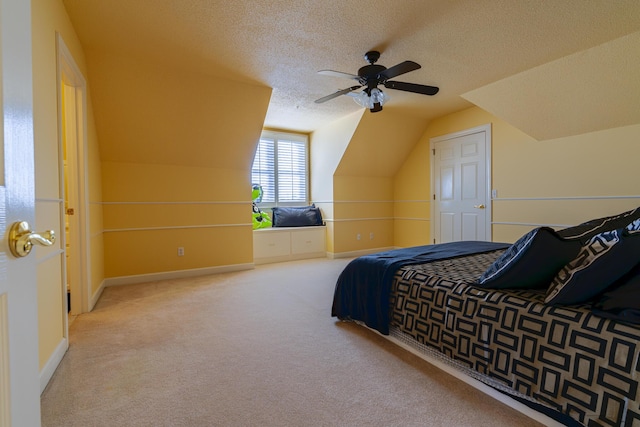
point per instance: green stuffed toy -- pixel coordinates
(260, 219)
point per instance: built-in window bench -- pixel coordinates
(279, 244)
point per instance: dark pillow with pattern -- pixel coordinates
(587, 230)
(304, 216)
(531, 262)
(605, 258)
(622, 300)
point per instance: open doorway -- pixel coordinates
(72, 149)
(70, 183)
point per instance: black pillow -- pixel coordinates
(531, 262)
(587, 230)
(622, 301)
(296, 216)
(605, 258)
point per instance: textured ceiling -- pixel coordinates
(594, 89)
(461, 45)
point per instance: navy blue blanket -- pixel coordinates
(364, 286)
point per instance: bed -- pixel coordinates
(552, 320)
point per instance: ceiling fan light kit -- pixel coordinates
(373, 101)
(372, 75)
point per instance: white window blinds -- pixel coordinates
(263, 169)
(280, 167)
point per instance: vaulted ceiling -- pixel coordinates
(465, 47)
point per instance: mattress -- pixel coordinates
(566, 358)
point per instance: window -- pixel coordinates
(280, 167)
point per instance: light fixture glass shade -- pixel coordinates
(377, 97)
(361, 98)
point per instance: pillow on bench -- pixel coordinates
(297, 216)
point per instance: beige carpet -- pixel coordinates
(251, 348)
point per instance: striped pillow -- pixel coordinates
(605, 258)
(587, 230)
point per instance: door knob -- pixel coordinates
(21, 239)
(479, 206)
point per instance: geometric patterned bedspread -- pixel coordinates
(566, 358)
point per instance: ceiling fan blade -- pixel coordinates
(412, 87)
(338, 74)
(336, 94)
(396, 70)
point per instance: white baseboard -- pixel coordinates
(292, 257)
(96, 295)
(178, 274)
(355, 254)
(50, 367)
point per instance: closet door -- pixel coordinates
(461, 194)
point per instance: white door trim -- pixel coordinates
(70, 75)
(488, 138)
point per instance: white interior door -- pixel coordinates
(461, 186)
(19, 365)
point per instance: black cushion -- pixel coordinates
(605, 258)
(587, 230)
(531, 262)
(296, 216)
(622, 301)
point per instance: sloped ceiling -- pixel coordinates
(380, 145)
(595, 89)
(173, 117)
(462, 45)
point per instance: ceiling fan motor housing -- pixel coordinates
(369, 74)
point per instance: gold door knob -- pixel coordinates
(479, 206)
(21, 239)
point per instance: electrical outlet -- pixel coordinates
(180, 251)
(371, 236)
(358, 236)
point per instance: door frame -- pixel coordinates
(487, 158)
(69, 74)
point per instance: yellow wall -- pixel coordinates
(360, 200)
(556, 182)
(150, 210)
(326, 148)
(94, 170)
(362, 205)
(412, 189)
(49, 17)
(176, 150)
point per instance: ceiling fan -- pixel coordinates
(372, 75)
